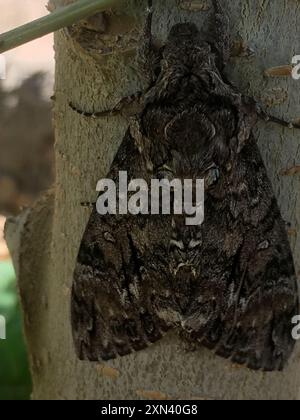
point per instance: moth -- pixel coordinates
(228, 284)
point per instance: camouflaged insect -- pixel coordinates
(230, 284)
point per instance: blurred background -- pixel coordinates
(26, 169)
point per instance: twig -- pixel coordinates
(58, 19)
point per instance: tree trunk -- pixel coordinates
(94, 73)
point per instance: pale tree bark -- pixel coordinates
(94, 74)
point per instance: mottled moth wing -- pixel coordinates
(246, 294)
(118, 277)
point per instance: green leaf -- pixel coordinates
(15, 381)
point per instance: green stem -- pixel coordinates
(59, 19)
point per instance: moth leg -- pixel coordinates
(221, 33)
(128, 106)
(270, 118)
(263, 115)
(148, 55)
(148, 61)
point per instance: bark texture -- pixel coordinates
(94, 75)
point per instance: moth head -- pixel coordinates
(183, 31)
(185, 46)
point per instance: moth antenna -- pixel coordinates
(221, 33)
(148, 55)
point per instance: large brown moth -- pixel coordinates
(228, 284)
